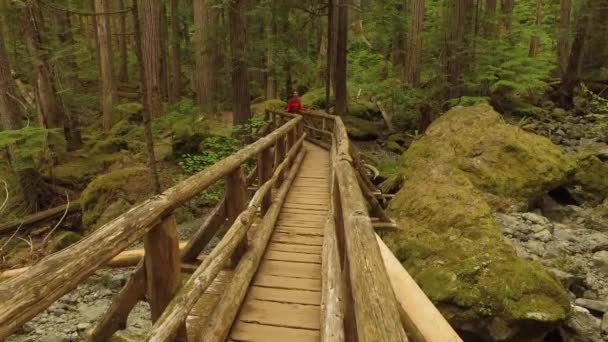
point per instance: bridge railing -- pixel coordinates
(366, 294)
(158, 275)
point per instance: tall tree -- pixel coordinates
(123, 69)
(455, 47)
(151, 55)
(205, 21)
(104, 46)
(10, 112)
(340, 88)
(535, 40)
(563, 44)
(175, 91)
(507, 12)
(164, 52)
(270, 31)
(414, 43)
(50, 110)
(570, 78)
(238, 47)
(490, 18)
(70, 74)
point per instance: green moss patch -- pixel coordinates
(590, 183)
(362, 130)
(62, 239)
(110, 195)
(469, 163)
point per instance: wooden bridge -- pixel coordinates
(298, 261)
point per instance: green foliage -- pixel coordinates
(182, 119)
(214, 149)
(29, 145)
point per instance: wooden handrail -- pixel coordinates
(26, 295)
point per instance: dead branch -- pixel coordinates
(65, 213)
(3, 206)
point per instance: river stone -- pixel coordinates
(604, 325)
(585, 326)
(595, 305)
(469, 163)
(600, 260)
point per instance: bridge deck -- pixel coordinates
(283, 303)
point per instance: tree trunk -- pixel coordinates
(563, 44)
(164, 53)
(123, 73)
(507, 11)
(455, 45)
(330, 49)
(570, 78)
(414, 43)
(535, 40)
(340, 91)
(149, 47)
(66, 37)
(270, 33)
(238, 47)
(105, 64)
(490, 18)
(204, 27)
(49, 108)
(10, 113)
(175, 92)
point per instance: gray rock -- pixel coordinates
(556, 249)
(584, 326)
(543, 235)
(83, 326)
(117, 281)
(604, 325)
(594, 305)
(534, 218)
(535, 247)
(565, 278)
(53, 337)
(600, 261)
(90, 313)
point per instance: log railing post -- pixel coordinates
(235, 202)
(264, 174)
(163, 267)
(279, 156)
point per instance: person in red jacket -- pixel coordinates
(294, 105)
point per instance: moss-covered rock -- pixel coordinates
(315, 99)
(130, 111)
(110, 145)
(467, 164)
(110, 195)
(362, 130)
(590, 185)
(394, 147)
(62, 239)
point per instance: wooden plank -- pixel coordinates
(281, 314)
(292, 257)
(290, 269)
(306, 212)
(300, 231)
(243, 331)
(285, 296)
(286, 247)
(297, 239)
(264, 173)
(279, 282)
(310, 206)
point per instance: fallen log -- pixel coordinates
(40, 217)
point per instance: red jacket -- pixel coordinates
(294, 105)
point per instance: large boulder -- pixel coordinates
(112, 194)
(590, 185)
(469, 163)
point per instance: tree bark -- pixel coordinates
(270, 33)
(238, 47)
(66, 37)
(414, 43)
(455, 45)
(164, 53)
(490, 18)
(123, 73)
(150, 52)
(49, 107)
(175, 92)
(570, 78)
(340, 90)
(535, 40)
(105, 64)
(563, 44)
(10, 113)
(507, 11)
(205, 22)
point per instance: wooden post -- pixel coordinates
(235, 203)
(264, 174)
(163, 269)
(279, 155)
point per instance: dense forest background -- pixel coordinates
(93, 92)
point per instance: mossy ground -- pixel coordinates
(468, 164)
